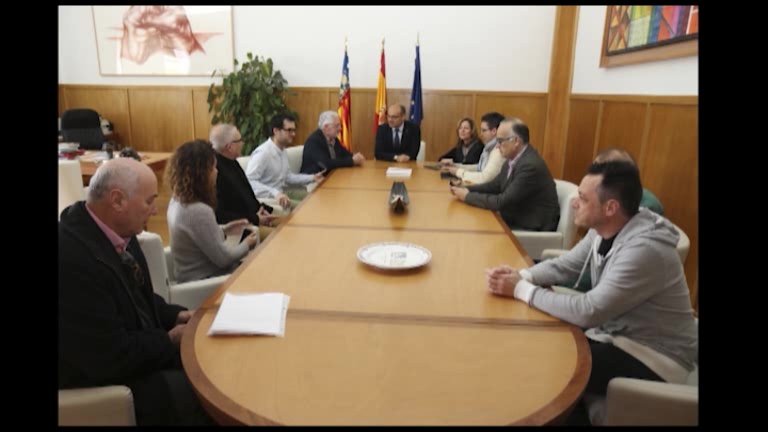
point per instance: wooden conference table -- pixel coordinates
(155, 160)
(428, 346)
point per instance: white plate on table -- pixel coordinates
(394, 255)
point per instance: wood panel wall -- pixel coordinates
(661, 132)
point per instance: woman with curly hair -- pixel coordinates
(468, 147)
(199, 245)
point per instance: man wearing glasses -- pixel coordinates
(234, 196)
(323, 150)
(268, 169)
(398, 140)
(524, 191)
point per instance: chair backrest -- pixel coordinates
(70, 183)
(422, 152)
(82, 126)
(566, 192)
(683, 244)
(295, 154)
(152, 247)
(243, 161)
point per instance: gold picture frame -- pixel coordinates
(661, 33)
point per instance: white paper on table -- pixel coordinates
(398, 172)
(251, 314)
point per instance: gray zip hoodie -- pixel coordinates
(639, 288)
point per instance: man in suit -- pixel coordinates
(234, 196)
(399, 139)
(113, 328)
(323, 150)
(524, 191)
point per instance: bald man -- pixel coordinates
(113, 328)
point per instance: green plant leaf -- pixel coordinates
(249, 97)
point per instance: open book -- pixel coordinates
(251, 314)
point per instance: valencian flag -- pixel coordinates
(345, 105)
(381, 92)
(416, 111)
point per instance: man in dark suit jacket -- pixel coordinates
(234, 196)
(400, 146)
(113, 329)
(323, 150)
(524, 192)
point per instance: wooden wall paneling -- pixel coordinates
(558, 97)
(530, 108)
(308, 103)
(622, 126)
(670, 167)
(62, 104)
(161, 118)
(582, 129)
(428, 122)
(446, 110)
(363, 134)
(201, 117)
(110, 102)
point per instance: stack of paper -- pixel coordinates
(398, 172)
(251, 314)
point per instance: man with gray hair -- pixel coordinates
(323, 150)
(113, 328)
(234, 197)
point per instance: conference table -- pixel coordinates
(364, 346)
(91, 160)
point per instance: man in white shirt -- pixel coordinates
(491, 160)
(268, 170)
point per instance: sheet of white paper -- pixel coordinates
(251, 314)
(398, 172)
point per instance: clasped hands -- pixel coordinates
(502, 280)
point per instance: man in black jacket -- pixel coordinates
(323, 150)
(234, 196)
(524, 192)
(113, 328)
(398, 140)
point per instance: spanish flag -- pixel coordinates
(345, 105)
(381, 92)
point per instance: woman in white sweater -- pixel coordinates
(198, 242)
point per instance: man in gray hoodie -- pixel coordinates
(638, 313)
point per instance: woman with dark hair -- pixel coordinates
(199, 245)
(468, 148)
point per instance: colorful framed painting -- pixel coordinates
(637, 34)
(163, 40)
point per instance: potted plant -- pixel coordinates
(249, 98)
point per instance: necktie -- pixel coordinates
(396, 141)
(509, 171)
(331, 151)
(136, 276)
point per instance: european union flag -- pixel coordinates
(416, 111)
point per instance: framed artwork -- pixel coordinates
(637, 34)
(163, 40)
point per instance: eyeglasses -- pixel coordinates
(501, 140)
(289, 130)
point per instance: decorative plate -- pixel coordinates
(394, 255)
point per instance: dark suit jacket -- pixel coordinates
(527, 200)
(316, 152)
(409, 141)
(102, 340)
(234, 196)
(473, 155)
